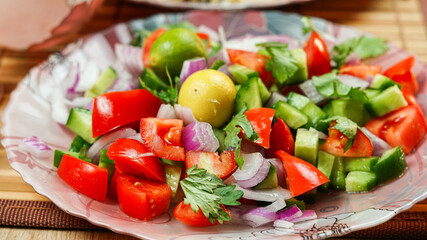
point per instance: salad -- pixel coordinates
(246, 136)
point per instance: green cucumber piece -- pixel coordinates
(172, 176)
(248, 95)
(307, 145)
(152, 81)
(364, 164)
(294, 201)
(370, 92)
(290, 115)
(311, 110)
(80, 122)
(57, 157)
(337, 175)
(302, 73)
(263, 91)
(173, 163)
(325, 164)
(241, 74)
(102, 84)
(107, 163)
(349, 108)
(359, 181)
(390, 165)
(79, 145)
(387, 101)
(382, 82)
(270, 180)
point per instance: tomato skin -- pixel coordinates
(147, 46)
(130, 156)
(205, 37)
(404, 127)
(85, 177)
(261, 120)
(253, 61)
(112, 189)
(318, 60)
(220, 165)
(360, 70)
(185, 214)
(281, 139)
(336, 141)
(300, 175)
(401, 73)
(141, 198)
(115, 109)
(163, 137)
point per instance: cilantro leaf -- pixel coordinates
(307, 26)
(346, 127)
(232, 130)
(168, 95)
(365, 47)
(207, 191)
(282, 64)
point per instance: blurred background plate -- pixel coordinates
(219, 4)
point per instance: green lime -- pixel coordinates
(172, 48)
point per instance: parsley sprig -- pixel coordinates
(207, 191)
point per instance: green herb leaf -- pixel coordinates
(282, 65)
(346, 127)
(207, 191)
(232, 130)
(366, 47)
(307, 26)
(217, 64)
(215, 48)
(168, 95)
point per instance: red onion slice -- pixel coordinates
(185, 114)
(259, 216)
(199, 136)
(310, 91)
(191, 66)
(353, 81)
(280, 171)
(275, 97)
(289, 213)
(267, 195)
(305, 216)
(130, 57)
(166, 111)
(280, 223)
(352, 59)
(254, 170)
(36, 147)
(379, 145)
(88, 76)
(98, 49)
(277, 205)
(106, 140)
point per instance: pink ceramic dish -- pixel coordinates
(29, 113)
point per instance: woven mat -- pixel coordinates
(399, 21)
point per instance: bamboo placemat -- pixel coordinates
(400, 21)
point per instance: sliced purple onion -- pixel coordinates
(277, 205)
(199, 136)
(280, 171)
(60, 110)
(289, 213)
(73, 76)
(130, 57)
(106, 140)
(185, 114)
(275, 97)
(306, 215)
(223, 41)
(166, 111)
(310, 91)
(88, 76)
(191, 66)
(78, 102)
(213, 35)
(280, 223)
(353, 81)
(352, 59)
(237, 213)
(98, 49)
(36, 147)
(259, 216)
(266, 195)
(254, 170)
(379, 145)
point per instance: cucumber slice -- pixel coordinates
(337, 175)
(173, 163)
(172, 175)
(79, 145)
(370, 92)
(387, 101)
(290, 115)
(241, 74)
(248, 95)
(107, 163)
(360, 164)
(307, 145)
(302, 73)
(325, 164)
(382, 82)
(358, 181)
(270, 180)
(80, 122)
(263, 91)
(311, 110)
(349, 108)
(102, 84)
(390, 165)
(57, 157)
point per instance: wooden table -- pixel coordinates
(400, 21)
